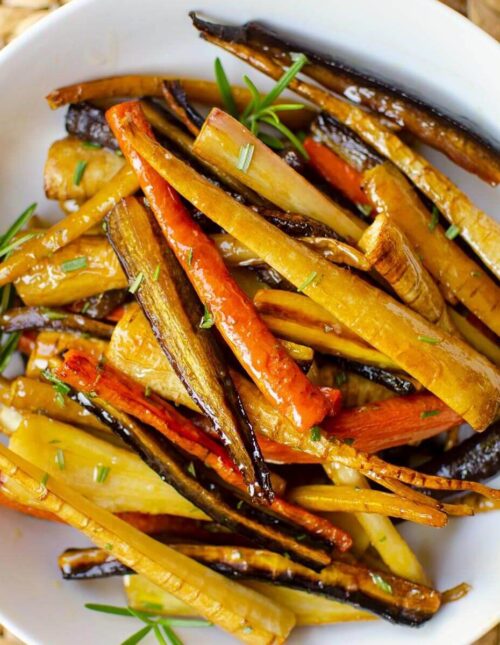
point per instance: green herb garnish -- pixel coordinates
(18, 224)
(225, 89)
(207, 320)
(136, 282)
(156, 274)
(57, 384)
(429, 413)
(147, 391)
(85, 307)
(80, 167)
(52, 314)
(7, 350)
(239, 504)
(310, 278)
(452, 232)
(189, 257)
(382, 584)
(101, 473)
(152, 623)
(366, 209)
(340, 378)
(59, 459)
(429, 339)
(75, 264)
(476, 274)
(108, 546)
(348, 441)
(315, 433)
(44, 480)
(191, 469)
(260, 110)
(434, 221)
(245, 157)
(8, 248)
(301, 537)
(91, 144)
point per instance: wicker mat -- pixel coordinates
(18, 15)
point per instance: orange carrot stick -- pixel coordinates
(266, 361)
(84, 373)
(336, 171)
(375, 427)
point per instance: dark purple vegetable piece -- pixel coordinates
(101, 305)
(392, 381)
(24, 318)
(87, 122)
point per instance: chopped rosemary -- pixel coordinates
(80, 167)
(59, 399)
(429, 413)
(239, 504)
(54, 441)
(59, 459)
(310, 278)
(207, 320)
(452, 232)
(75, 264)
(86, 307)
(57, 384)
(383, 538)
(434, 221)
(44, 480)
(136, 282)
(429, 339)
(476, 274)
(301, 537)
(147, 391)
(101, 473)
(189, 257)
(225, 89)
(108, 546)
(118, 153)
(52, 314)
(382, 584)
(315, 433)
(245, 157)
(156, 274)
(191, 469)
(348, 441)
(247, 629)
(91, 144)
(340, 378)
(366, 209)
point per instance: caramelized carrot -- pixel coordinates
(84, 373)
(266, 361)
(336, 171)
(377, 426)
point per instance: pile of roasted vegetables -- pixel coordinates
(251, 341)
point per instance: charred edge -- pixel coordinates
(90, 564)
(358, 153)
(255, 471)
(88, 123)
(296, 225)
(392, 381)
(255, 31)
(25, 318)
(180, 96)
(171, 465)
(99, 306)
(475, 459)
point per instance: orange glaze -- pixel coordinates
(336, 171)
(266, 361)
(83, 373)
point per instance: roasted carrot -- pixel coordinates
(336, 171)
(84, 373)
(274, 372)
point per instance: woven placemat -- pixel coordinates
(18, 15)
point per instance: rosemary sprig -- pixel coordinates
(261, 110)
(152, 623)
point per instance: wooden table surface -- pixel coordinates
(18, 15)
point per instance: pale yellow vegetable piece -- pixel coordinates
(76, 171)
(246, 614)
(446, 366)
(309, 609)
(475, 337)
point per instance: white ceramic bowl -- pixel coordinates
(419, 43)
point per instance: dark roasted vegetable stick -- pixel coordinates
(479, 230)
(449, 368)
(22, 318)
(227, 306)
(174, 313)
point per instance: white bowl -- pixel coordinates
(421, 44)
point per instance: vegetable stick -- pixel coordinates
(478, 229)
(345, 498)
(75, 171)
(383, 535)
(443, 364)
(221, 145)
(243, 612)
(475, 337)
(336, 171)
(391, 254)
(48, 284)
(309, 609)
(392, 195)
(124, 183)
(197, 90)
(266, 361)
(83, 373)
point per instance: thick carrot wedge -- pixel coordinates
(266, 361)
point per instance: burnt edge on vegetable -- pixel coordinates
(392, 381)
(88, 122)
(245, 34)
(180, 96)
(171, 465)
(25, 318)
